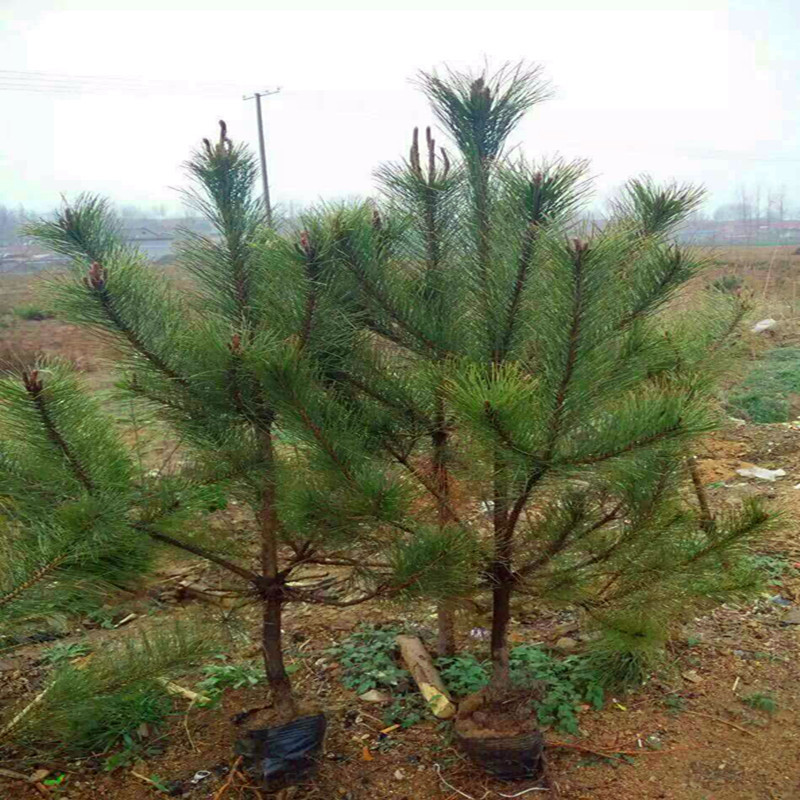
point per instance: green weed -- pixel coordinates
(31, 312)
(762, 701)
(774, 567)
(674, 703)
(65, 651)
(220, 677)
(463, 675)
(564, 683)
(368, 660)
(727, 284)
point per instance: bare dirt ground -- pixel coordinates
(687, 735)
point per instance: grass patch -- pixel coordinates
(762, 701)
(115, 698)
(766, 393)
(61, 652)
(32, 312)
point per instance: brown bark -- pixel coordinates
(707, 522)
(445, 613)
(273, 593)
(446, 629)
(501, 616)
(502, 581)
(277, 677)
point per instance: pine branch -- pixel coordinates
(35, 389)
(373, 291)
(563, 541)
(202, 552)
(423, 480)
(706, 515)
(35, 578)
(636, 444)
(734, 325)
(516, 295)
(574, 336)
(96, 283)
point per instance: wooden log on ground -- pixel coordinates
(426, 676)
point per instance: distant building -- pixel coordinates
(741, 232)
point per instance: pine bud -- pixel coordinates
(431, 155)
(305, 244)
(96, 278)
(235, 345)
(580, 246)
(32, 382)
(414, 154)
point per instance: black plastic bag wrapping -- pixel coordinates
(286, 755)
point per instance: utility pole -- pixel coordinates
(257, 96)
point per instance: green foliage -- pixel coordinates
(775, 568)
(220, 677)
(768, 389)
(110, 697)
(65, 495)
(480, 111)
(405, 711)
(368, 660)
(32, 312)
(761, 701)
(727, 284)
(65, 651)
(463, 675)
(562, 684)
(120, 717)
(628, 648)
(674, 703)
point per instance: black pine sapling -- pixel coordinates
(241, 366)
(551, 376)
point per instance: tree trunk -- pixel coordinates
(707, 522)
(445, 613)
(501, 615)
(277, 677)
(272, 593)
(503, 582)
(446, 635)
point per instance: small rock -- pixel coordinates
(764, 325)
(39, 775)
(791, 617)
(399, 775)
(565, 644)
(692, 676)
(761, 472)
(780, 601)
(374, 696)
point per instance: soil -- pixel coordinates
(686, 735)
(484, 717)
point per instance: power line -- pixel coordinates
(17, 80)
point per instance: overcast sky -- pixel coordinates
(701, 90)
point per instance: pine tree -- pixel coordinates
(242, 366)
(550, 374)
